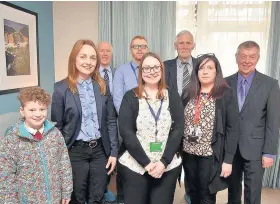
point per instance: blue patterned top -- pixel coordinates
(90, 125)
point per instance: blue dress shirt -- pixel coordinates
(125, 79)
(90, 126)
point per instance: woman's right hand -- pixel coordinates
(150, 166)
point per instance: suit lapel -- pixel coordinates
(173, 74)
(254, 86)
(233, 85)
(98, 101)
(78, 102)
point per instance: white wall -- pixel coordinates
(72, 21)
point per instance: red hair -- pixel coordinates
(73, 71)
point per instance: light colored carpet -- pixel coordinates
(269, 196)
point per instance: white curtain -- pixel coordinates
(272, 175)
(220, 26)
(120, 21)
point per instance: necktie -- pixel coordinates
(38, 136)
(242, 94)
(186, 76)
(106, 76)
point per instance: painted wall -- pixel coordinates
(72, 21)
(9, 102)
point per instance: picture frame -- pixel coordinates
(19, 50)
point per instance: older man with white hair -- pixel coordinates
(178, 70)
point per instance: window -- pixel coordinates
(220, 26)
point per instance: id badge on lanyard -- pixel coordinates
(157, 145)
(196, 132)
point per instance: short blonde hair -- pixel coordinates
(137, 37)
(35, 94)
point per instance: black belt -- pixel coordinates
(91, 143)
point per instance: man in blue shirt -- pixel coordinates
(125, 79)
(105, 51)
(126, 76)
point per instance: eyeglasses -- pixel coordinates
(207, 54)
(135, 47)
(149, 69)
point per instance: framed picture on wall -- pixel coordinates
(19, 63)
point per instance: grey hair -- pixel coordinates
(248, 44)
(105, 42)
(183, 32)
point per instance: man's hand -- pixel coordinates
(112, 161)
(266, 162)
(226, 170)
(158, 170)
(65, 201)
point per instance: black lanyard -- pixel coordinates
(134, 72)
(156, 116)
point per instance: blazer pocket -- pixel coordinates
(258, 134)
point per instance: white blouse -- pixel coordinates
(146, 133)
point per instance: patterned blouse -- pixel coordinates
(202, 145)
(146, 133)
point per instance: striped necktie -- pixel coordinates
(106, 76)
(186, 75)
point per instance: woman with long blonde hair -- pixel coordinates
(83, 109)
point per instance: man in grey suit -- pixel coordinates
(105, 51)
(258, 99)
(178, 71)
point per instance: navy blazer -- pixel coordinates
(66, 111)
(171, 72)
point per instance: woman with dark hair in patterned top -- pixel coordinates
(210, 133)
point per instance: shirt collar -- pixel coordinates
(88, 81)
(32, 130)
(189, 61)
(101, 68)
(134, 65)
(249, 78)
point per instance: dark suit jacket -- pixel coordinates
(224, 138)
(171, 72)
(66, 111)
(259, 117)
